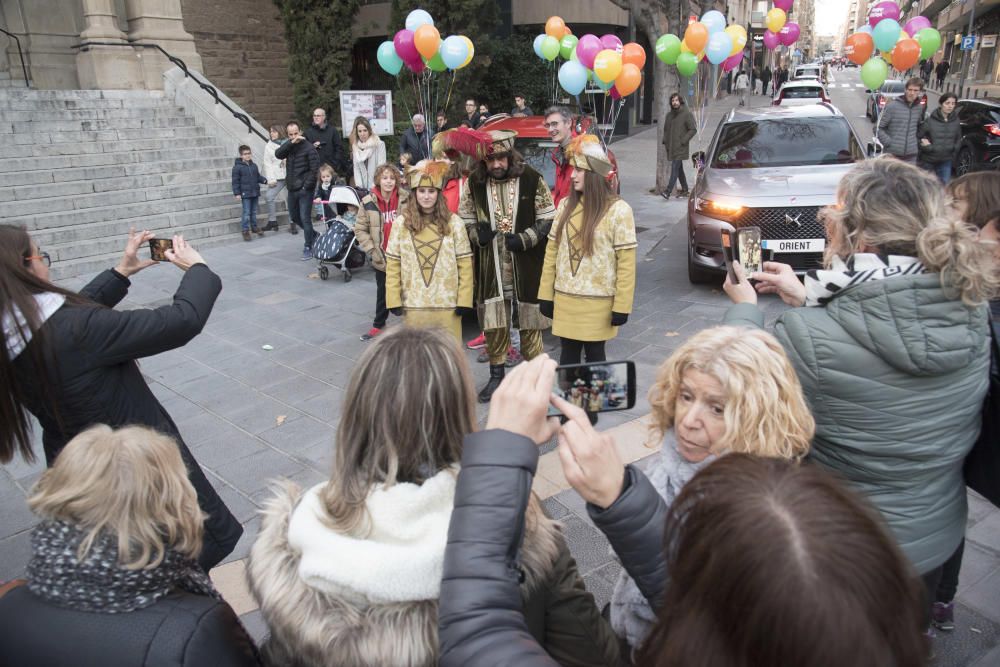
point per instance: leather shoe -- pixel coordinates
(496, 377)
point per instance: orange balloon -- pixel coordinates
(635, 54)
(696, 37)
(427, 39)
(567, 31)
(628, 81)
(906, 54)
(859, 48)
(555, 27)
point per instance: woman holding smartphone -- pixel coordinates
(70, 359)
(588, 279)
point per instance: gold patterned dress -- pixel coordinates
(429, 275)
(586, 289)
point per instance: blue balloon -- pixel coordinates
(537, 46)
(454, 51)
(865, 28)
(714, 21)
(885, 34)
(417, 18)
(718, 48)
(388, 59)
(573, 77)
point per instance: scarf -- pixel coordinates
(824, 284)
(387, 209)
(99, 583)
(363, 149)
(16, 332)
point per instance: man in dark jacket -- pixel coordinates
(942, 71)
(416, 140)
(765, 80)
(327, 141)
(899, 121)
(246, 188)
(472, 114)
(678, 130)
(301, 165)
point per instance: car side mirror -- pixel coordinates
(868, 91)
(699, 160)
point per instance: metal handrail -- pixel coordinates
(20, 54)
(208, 88)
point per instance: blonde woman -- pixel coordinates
(113, 564)
(429, 258)
(726, 390)
(892, 350)
(367, 153)
(348, 573)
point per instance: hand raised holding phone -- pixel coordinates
(130, 264)
(182, 255)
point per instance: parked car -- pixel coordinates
(796, 93)
(980, 148)
(877, 99)
(772, 168)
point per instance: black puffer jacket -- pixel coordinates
(480, 613)
(331, 146)
(180, 630)
(301, 164)
(944, 135)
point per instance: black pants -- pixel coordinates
(381, 312)
(573, 351)
(948, 585)
(300, 212)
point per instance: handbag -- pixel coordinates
(982, 465)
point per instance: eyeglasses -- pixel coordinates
(44, 256)
(552, 126)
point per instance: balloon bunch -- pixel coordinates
(898, 46)
(709, 38)
(780, 31)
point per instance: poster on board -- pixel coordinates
(375, 105)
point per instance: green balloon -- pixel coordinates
(929, 40)
(550, 48)
(668, 48)
(874, 72)
(687, 63)
(436, 64)
(567, 47)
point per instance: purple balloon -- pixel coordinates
(405, 48)
(883, 10)
(771, 40)
(783, 5)
(788, 34)
(732, 62)
(587, 49)
(612, 42)
(916, 24)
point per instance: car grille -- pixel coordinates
(774, 225)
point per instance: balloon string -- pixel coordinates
(451, 87)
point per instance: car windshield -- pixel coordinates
(799, 92)
(538, 154)
(786, 142)
(892, 87)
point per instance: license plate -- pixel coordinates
(794, 245)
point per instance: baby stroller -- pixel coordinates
(337, 246)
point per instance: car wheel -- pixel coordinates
(963, 163)
(698, 275)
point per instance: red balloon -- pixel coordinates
(859, 48)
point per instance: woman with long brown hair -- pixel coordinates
(367, 153)
(70, 359)
(588, 279)
(429, 258)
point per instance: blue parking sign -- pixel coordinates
(968, 42)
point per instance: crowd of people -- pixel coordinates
(824, 457)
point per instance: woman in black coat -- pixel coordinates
(940, 135)
(70, 359)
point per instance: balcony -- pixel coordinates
(956, 15)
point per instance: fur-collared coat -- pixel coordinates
(316, 622)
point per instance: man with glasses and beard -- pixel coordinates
(508, 211)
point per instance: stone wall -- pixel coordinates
(242, 46)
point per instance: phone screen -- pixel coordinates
(749, 254)
(604, 386)
(157, 248)
(727, 254)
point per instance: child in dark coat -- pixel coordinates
(246, 188)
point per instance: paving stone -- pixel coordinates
(984, 596)
(16, 515)
(554, 508)
(15, 551)
(586, 543)
(250, 530)
(575, 503)
(227, 446)
(977, 563)
(599, 588)
(251, 473)
(297, 389)
(987, 534)
(299, 435)
(255, 626)
(974, 635)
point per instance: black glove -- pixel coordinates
(485, 233)
(462, 311)
(396, 311)
(618, 319)
(513, 242)
(546, 308)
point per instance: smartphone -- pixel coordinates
(158, 248)
(742, 245)
(604, 386)
(727, 254)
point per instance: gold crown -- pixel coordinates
(591, 158)
(428, 174)
(503, 142)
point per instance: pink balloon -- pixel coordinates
(587, 49)
(788, 34)
(783, 5)
(405, 48)
(732, 62)
(883, 10)
(771, 40)
(916, 24)
(615, 95)
(612, 42)
(417, 66)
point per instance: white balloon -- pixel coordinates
(417, 18)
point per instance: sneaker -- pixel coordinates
(513, 357)
(683, 194)
(371, 333)
(483, 357)
(665, 194)
(943, 616)
(307, 254)
(477, 343)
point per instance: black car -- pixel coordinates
(980, 149)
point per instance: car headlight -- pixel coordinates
(718, 210)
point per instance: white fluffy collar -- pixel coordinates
(15, 325)
(399, 561)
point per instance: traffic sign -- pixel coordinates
(968, 42)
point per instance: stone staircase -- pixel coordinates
(78, 168)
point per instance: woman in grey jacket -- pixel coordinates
(940, 136)
(893, 355)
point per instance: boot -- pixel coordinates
(496, 377)
(256, 230)
(272, 226)
(246, 235)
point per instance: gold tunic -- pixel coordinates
(429, 275)
(586, 289)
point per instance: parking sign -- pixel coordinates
(968, 42)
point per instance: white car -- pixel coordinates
(797, 93)
(807, 72)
